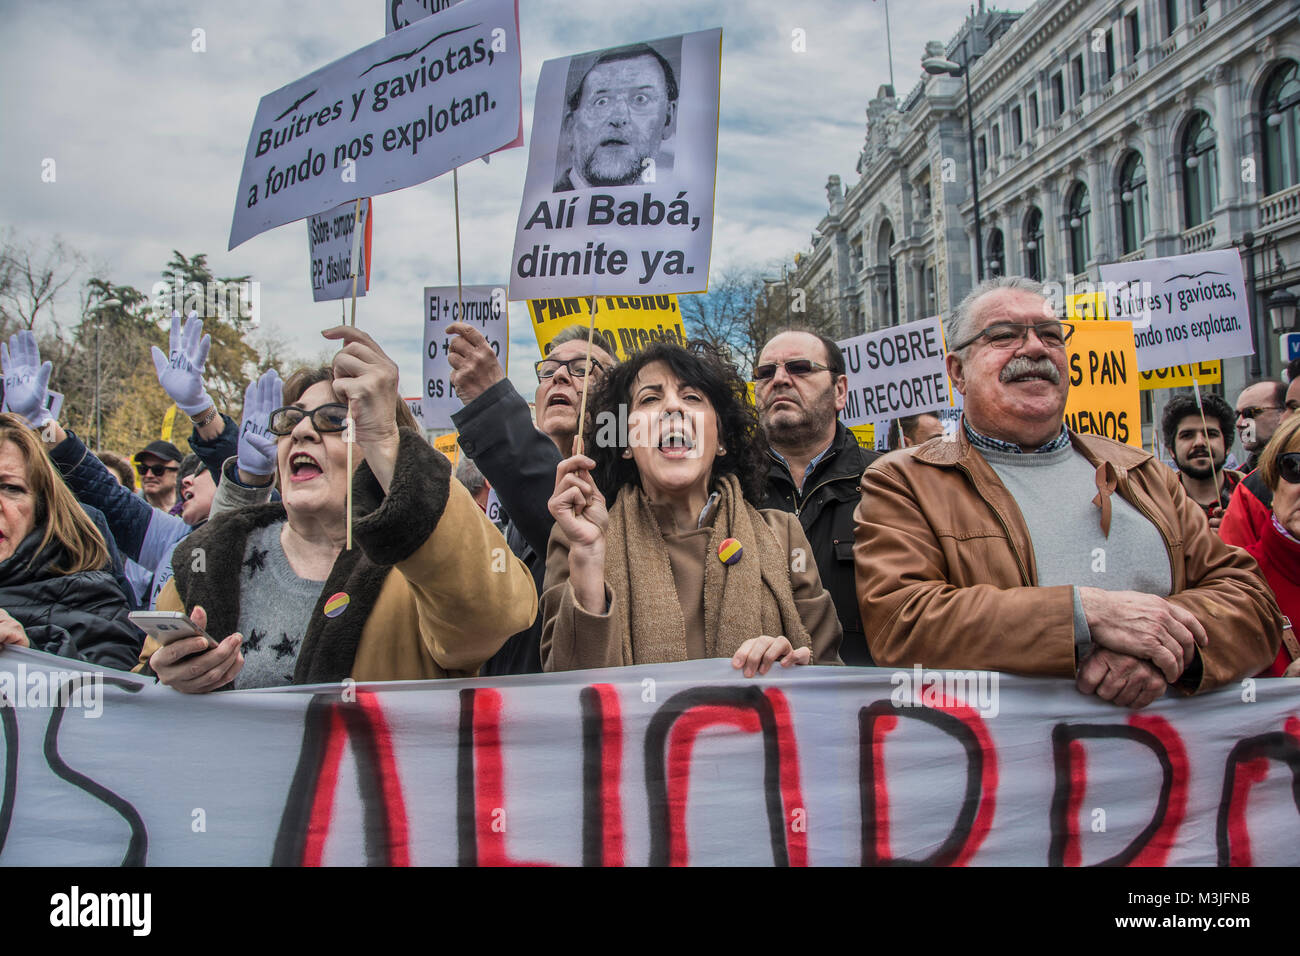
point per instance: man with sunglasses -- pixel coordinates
(1023, 546)
(1261, 406)
(800, 388)
(1251, 504)
(517, 457)
(157, 464)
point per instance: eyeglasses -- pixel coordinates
(1012, 335)
(1255, 410)
(1288, 467)
(157, 471)
(576, 367)
(798, 367)
(327, 418)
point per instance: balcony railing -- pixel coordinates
(1280, 206)
(1134, 256)
(1166, 49)
(1198, 238)
(1199, 24)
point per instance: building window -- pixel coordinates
(1033, 111)
(1199, 6)
(1280, 120)
(1200, 170)
(1134, 36)
(1058, 95)
(982, 152)
(884, 258)
(923, 199)
(1077, 220)
(1108, 59)
(997, 140)
(1134, 214)
(931, 303)
(1017, 128)
(1076, 68)
(1171, 17)
(995, 263)
(1034, 244)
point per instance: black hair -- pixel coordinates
(626, 53)
(1184, 406)
(834, 357)
(701, 366)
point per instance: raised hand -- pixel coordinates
(181, 373)
(256, 443)
(27, 379)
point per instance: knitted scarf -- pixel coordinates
(743, 600)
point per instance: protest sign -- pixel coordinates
(402, 13)
(621, 166)
(404, 109)
(482, 306)
(168, 423)
(447, 445)
(1085, 306)
(895, 371)
(625, 324)
(416, 406)
(329, 243)
(685, 763)
(1184, 309)
(1182, 376)
(865, 434)
(493, 507)
(1103, 397)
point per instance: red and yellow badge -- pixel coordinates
(336, 605)
(729, 551)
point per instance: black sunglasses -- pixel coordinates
(794, 367)
(1288, 467)
(157, 471)
(1255, 410)
(327, 418)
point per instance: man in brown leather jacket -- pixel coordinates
(1018, 545)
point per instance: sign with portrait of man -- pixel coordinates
(619, 193)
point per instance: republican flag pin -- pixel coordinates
(336, 605)
(730, 551)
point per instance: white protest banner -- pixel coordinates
(329, 240)
(1184, 309)
(619, 194)
(402, 13)
(485, 309)
(493, 508)
(894, 372)
(686, 763)
(404, 109)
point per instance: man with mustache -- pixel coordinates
(1025, 547)
(800, 388)
(1200, 447)
(517, 458)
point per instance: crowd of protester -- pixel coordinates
(688, 522)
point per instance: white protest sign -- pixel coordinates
(1184, 309)
(484, 307)
(674, 764)
(895, 372)
(493, 508)
(404, 109)
(416, 407)
(402, 13)
(619, 194)
(329, 241)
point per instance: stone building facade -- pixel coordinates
(1104, 130)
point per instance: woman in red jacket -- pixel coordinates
(1277, 547)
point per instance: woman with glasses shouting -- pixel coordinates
(429, 588)
(1276, 546)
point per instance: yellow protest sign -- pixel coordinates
(865, 434)
(169, 423)
(626, 324)
(447, 445)
(1181, 376)
(1103, 374)
(1085, 306)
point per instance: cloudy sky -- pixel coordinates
(148, 138)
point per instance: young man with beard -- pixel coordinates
(517, 458)
(800, 388)
(1200, 448)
